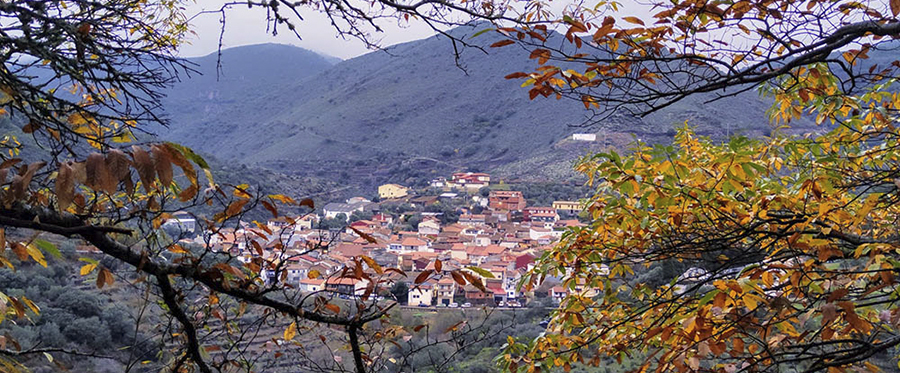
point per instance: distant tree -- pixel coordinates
(360, 215)
(485, 191)
(400, 290)
(414, 220)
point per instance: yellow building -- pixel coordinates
(568, 206)
(389, 191)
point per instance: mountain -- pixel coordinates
(409, 113)
(239, 76)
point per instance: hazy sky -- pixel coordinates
(247, 26)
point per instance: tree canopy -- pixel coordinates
(792, 239)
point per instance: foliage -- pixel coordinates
(790, 241)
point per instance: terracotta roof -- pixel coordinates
(412, 241)
(342, 281)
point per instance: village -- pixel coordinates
(493, 235)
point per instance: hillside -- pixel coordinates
(234, 84)
(409, 112)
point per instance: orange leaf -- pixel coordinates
(423, 276)
(634, 20)
(458, 278)
(333, 308)
(502, 43)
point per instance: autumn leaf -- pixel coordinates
(502, 43)
(290, 332)
(144, 165)
(105, 277)
(423, 276)
(372, 264)
(458, 278)
(634, 20)
(87, 269)
(65, 186)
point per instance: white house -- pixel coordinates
(584, 136)
(423, 295)
(430, 227)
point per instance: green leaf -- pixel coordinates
(708, 297)
(189, 154)
(48, 247)
(89, 260)
(481, 32)
(481, 272)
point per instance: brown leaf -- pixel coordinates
(179, 160)
(516, 75)
(502, 43)
(20, 182)
(188, 193)
(634, 20)
(455, 326)
(418, 327)
(105, 277)
(31, 127)
(10, 162)
(895, 7)
(458, 278)
(20, 250)
(162, 162)
(235, 207)
(97, 174)
(308, 202)
(475, 281)
(257, 247)
(144, 166)
(438, 265)
(837, 294)
(372, 264)
(364, 236)
(829, 313)
(333, 308)
(423, 276)
(118, 164)
(65, 186)
(271, 208)
(396, 270)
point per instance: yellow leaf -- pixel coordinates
(87, 268)
(634, 20)
(177, 249)
(36, 254)
(291, 331)
(313, 274)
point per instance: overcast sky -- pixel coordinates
(248, 26)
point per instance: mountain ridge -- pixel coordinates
(409, 113)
